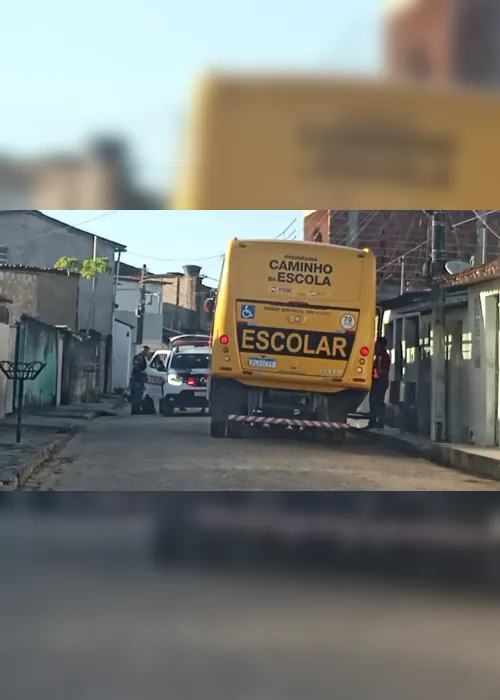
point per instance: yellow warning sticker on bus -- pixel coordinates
(297, 143)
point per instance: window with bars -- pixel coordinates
(4, 255)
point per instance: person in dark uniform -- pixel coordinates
(138, 380)
(380, 384)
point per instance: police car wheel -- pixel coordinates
(166, 409)
(217, 429)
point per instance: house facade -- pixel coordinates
(123, 353)
(97, 177)
(128, 298)
(47, 294)
(400, 240)
(33, 239)
(6, 351)
(445, 351)
(184, 296)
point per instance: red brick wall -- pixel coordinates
(421, 34)
(475, 42)
(444, 40)
(391, 234)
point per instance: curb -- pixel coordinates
(444, 455)
(44, 455)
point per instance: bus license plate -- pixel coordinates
(260, 362)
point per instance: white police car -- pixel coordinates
(187, 373)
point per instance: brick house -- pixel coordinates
(444, 40)
(184, 296)
(47, 294)
(98, 177)
(393, 234)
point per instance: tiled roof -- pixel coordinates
(474, 275)
(35, 269)
(128, 271)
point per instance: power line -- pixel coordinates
(474, 218)
(283, 232)
(395, 260)
(482, 219)
(181, 260)
(70, 226)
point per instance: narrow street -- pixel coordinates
(102, 623)
(132, 453)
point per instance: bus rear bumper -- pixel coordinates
(289, 423)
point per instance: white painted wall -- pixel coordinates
(127, 299)
(483, 373)
(7, 352)
(4, 355)
(60, 354)
(458, 374)
(122, 354)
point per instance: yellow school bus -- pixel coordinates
(292, 336)
(285, 142)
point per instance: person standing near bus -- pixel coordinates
(138, 380)
(380, 383)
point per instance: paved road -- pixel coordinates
(86, 617)
(154, 453)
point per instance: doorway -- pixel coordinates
(456, 380)
(491, 342)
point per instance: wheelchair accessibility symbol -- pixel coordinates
(248, 312)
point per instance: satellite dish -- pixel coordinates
(455, 266)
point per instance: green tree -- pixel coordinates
(90, 269)
(69, 265)
(93, 269)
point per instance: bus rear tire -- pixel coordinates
(337, 437)
(322, 436)
(217, 429)
(235, 430)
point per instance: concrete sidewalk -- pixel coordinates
(477, 461)
(43, 435)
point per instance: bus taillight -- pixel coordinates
(224, 339)
(364, 351)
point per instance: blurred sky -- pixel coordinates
(176, 238)
(71, 70)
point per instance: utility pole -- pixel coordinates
(481, 246)
(331, 230)
(176, 323)
(141, 311)
(438, 234)
(94, 284)
(353, 234)
(402, 283)
(116, 279)
(438, 366)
